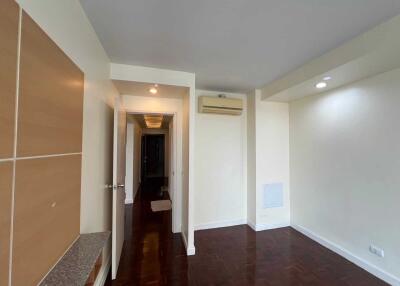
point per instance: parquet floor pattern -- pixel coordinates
(232, 256)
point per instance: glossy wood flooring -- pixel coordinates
(152, 255)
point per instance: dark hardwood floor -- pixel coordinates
(152, 255)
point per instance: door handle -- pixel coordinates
(115, 187)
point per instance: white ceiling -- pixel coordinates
(231, 45)
(371, 53)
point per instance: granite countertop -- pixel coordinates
(75, 266)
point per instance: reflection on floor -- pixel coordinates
(152, 255)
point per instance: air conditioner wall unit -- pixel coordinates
(220, 105)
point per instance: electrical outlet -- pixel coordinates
(376, 250)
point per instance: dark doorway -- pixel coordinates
(153, 152)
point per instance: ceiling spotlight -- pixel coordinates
(321, 85)
(153, 121)
(327, 78)
(153, 90)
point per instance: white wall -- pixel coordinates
(220, 157)
(130, 161)
(167, 154)
(267, 161)
(272, 160)
(185, 168)
(66, 23)
(137, 157)
(345, 164)
(232, 167)
(172, 156)
(251, 159)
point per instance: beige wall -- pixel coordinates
(9, 25)
(6, 183)
(66, 23)
(46, 157)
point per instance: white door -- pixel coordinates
(118, 212)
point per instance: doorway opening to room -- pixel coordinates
(151, 191)
(151, 159)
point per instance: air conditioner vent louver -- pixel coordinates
(220, 105)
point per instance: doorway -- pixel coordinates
(152, 153)
(153, 157)
(175, 102)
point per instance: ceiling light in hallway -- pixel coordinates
(153, 121)
(153, 90)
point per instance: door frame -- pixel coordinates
(176, 181)
(132, 73)
(118, 185)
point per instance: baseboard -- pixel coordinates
(374, 270)
(267, 226)
(184, 239)
(176, 229)
(190, 250)
(128, 201)
(220, 224)
(251, 224)
(102, 276)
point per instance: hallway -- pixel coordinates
(152, 255)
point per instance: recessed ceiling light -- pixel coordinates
(153, 121)
(321, 85)
(327, 78)
(153, 90)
